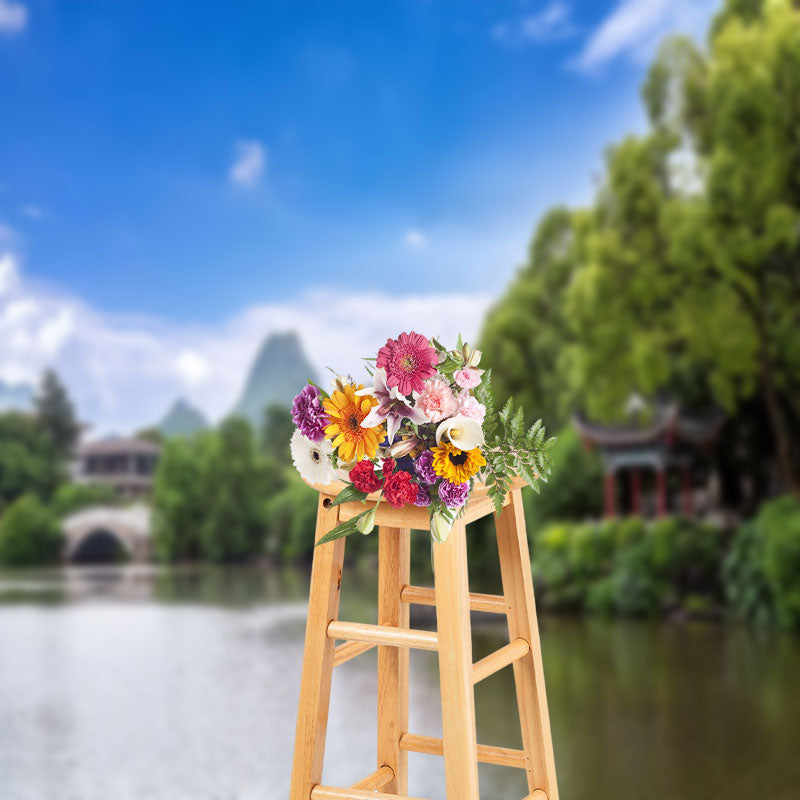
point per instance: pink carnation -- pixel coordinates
(437, 400)
(467, 378)
(468, 406)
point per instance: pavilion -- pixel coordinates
(664, 459)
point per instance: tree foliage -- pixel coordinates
(683, 277)
(29, 534)
(209, 496)
(56, 414)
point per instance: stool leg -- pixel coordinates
(393, 574)
(315, 682)
(512, 544)
(455, 665)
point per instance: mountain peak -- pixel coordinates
(182, 419)
(279, 372)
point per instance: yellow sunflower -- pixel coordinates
(346, 412)
(457, 466)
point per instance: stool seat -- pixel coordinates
(452, 642)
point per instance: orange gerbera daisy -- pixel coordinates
(346, 411)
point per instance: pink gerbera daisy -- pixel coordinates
(408, 361)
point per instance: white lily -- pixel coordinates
(392, 407)
(440, 527)
(462, 432)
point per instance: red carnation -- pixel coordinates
(364, 478)
(399, 491)
(388, 467)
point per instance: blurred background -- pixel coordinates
(204, 205)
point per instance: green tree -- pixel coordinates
(29, 534)
(26, 459)
(276, 433)
(56, 414)
(210, 495)
(70, 497)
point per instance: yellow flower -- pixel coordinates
(346, 412)
(457, 466)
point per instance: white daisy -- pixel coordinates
(312, 459)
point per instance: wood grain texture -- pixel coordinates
(377, 781)
(512, 544)
(333, 793)
(455, 665)
(508, 654)
(383, 634)
(423, 596)
(315, 681)
(344, 652)
(394, 564)
(487, 754)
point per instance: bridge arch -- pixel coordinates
(106, 534)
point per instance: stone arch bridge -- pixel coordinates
(107, 529)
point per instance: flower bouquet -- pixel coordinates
(422, 434)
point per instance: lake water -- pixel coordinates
(156, 684)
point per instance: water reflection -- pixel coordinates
(169, 684)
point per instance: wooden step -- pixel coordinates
(506, 655)
(334, 793)
(344, 652)
(383, 634)
(487, 754)
(376, 781)
(422, 596)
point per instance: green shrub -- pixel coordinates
(291, 519)
(762, 569)
(71, 497)
(29, 534)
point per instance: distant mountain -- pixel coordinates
(16, 396)
(278, 373)
(182, 419)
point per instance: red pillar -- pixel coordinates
(636, 491)
(661, 493)
(686, 491)
(610, 491)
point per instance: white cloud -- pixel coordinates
(9, 272)
(192, 367)
(13, 17)
(124, 371)
(249, 164)
(415, 239)
(32, 211)
(635, 27)
(552, 23)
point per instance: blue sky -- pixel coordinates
(190, 175)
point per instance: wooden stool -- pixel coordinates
(392, 635)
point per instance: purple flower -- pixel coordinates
(423, 466)
(423, 496)
(309, 415)
(392, 407)
(453, 495)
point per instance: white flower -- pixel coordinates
(463, 432)
(312, 459)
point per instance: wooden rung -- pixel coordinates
(376, 781)
(333, 793)
(538, 794)
(422, 596)
(506, 655)
(487, 754)
(383, 634)
(344, 652)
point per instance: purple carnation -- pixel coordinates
(423, 466)
(423, 496)
(454, 495)
(308, 413)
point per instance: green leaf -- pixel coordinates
(348, 495)
(322, 392)
(345, 529)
